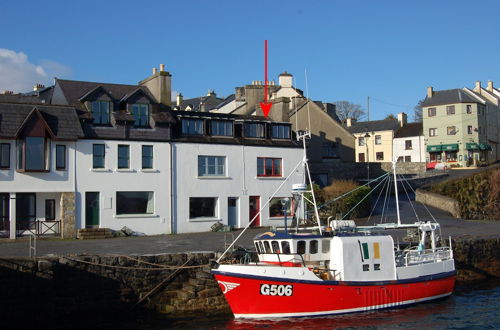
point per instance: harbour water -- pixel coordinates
(470, 307)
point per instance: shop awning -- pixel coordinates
(450, 147)
(471, 146)
(484, 146)
(434, 148)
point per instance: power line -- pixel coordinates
(392, 104)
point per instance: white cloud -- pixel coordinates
(19, 75)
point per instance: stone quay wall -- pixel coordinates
(94, 286)
(438, 201)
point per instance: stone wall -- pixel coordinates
(112, 288)
(441, 202)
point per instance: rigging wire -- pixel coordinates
(378, 197)
(403, 181)
(386, 203)
(361, 200)
(423, 204)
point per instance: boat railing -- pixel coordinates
(292, 255)
(415, 256)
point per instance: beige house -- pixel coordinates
(374, 139)
(461, 126)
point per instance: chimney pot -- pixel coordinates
(162, 67)
(155, 70)
(478, 87)
(430, 91)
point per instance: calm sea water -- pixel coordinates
(470, 307)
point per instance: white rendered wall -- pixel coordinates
(241, 181)
(109, 180)
(417, 152)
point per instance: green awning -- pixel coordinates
(471, 146)
(450, 147)
(434, 148)
(484, 146)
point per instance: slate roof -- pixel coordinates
(74, 90)
(374, 126)
(20, 98)
(210, 101)
(449, 96)
(62, 120)
(409, 130)
(227, 100)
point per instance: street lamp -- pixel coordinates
(366, 136)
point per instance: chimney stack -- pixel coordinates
(350, 121)
(402, 119)
(179, 99)
(160, 85)
(477, 89)
(490, 86)
(285, 79)
(430, 92)
(38, 87)
(8, 92)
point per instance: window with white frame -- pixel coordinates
(432, 131)
(378, 139)
(450, 110)
(361, 141)
(134, 202)
(211, 165)
(147, 157)
(60, 157)
(202, 207)
(431, 112)
(98, 155)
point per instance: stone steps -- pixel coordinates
(94, 233)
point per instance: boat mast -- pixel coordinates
(396, 189)
(302, 136)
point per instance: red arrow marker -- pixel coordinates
(265, 106)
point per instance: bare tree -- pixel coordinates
(346, 109)
(390, 117)
(417, 115)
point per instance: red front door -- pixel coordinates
(254, 210)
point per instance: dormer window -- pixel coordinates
(221, 128)
(140, 111)
(192, 126)
(280, 132)
(100, 112)
(254, 130)
(33, 154)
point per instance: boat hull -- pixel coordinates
(265, 297)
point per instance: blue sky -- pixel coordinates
(388, 50)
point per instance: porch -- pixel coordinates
(40, 214)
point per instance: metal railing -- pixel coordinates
(415, 256)
(39, 228)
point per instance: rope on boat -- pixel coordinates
(376, 202)
(161, 267)
(408, 196)
(421, 203)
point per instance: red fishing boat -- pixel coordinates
(337, 267)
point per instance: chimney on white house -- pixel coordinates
(477, 89)
(490, 86)
(402, 119)
(430, 92)
(350, 121)
(179, 99)
(160, 85)
(285, 79)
